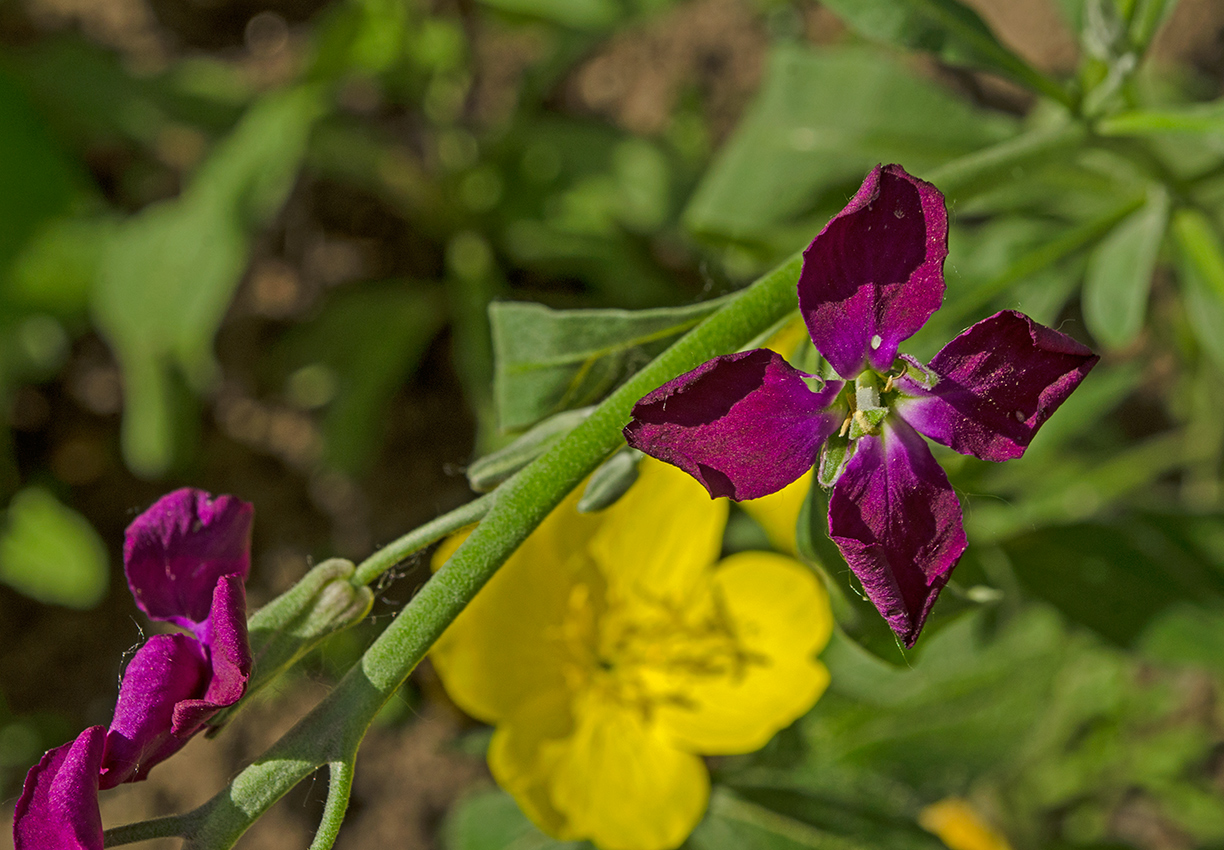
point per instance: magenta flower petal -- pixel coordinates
(229, 656)
(897, 522)
(165, 671)
(175, 551)
(998, 382)
(874, 275)
(58, 807)
(744, 425)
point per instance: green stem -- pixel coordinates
(173, 826)
(417, 539)
(340, 788)
(333, 730)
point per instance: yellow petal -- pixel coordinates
(960, 827)
(523, 757)
(781, 618)
(622, 785)
(779, 512)
(505, 647)
(661, 537)
(788, 338)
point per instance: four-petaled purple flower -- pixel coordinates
(185, 558)
(746, 425)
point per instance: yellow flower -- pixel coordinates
(960, 827)
(611, 650)
(778, 513)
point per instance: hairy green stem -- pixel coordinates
(340, 788)
(417, 539)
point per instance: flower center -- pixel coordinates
(643, 652)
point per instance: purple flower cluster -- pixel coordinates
(185, 558)
(747, 424)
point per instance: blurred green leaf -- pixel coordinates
(51, 553)
(1119, 275)
(37, 180)
(1197, 118)
(821, 120)
(1200, 259)
(732, 823)
(949, 29)
(168, 275)
(1115, 578)
(57, 267)
(491, 820)
(856, 822)
(369, 341)
(549, 360)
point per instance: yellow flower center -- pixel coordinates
(642, 652)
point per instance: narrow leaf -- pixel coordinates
(1119, 275)
(1200, 261)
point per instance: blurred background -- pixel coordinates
(250, 246)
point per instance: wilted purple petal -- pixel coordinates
(744, 425)
(897, 522)
(998, 382)
(58, 807)
(874, 275)
(165, 671)
(175, 551)
(229, 657)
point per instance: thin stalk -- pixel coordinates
(340, 788)
(417, 539)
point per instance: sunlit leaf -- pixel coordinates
(51, 553)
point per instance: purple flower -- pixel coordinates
(185, 558)
(746, 425)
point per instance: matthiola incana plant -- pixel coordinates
(186, 559)
(747, 424)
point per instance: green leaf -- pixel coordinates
(1200, 260)
(546, 360)
(363, 346)
(1115, 578)
(1119, 275)
(487, 472)
(491, 820)
(610, 481)
(822, 119)
(947, 28)
(37, 181)
(51, 553)
(734, 823)
(1207, 118)
(169, 273)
